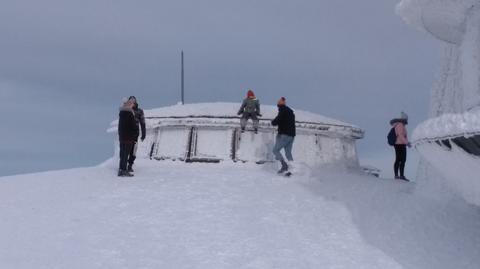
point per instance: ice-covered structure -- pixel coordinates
(209, 132)
(450, 140)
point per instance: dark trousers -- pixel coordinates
(125, 150)
(400, 159)
(246, 116)
(133, 154)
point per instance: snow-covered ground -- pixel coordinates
(177, 215)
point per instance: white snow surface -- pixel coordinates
(177, 215)
(458, 165)
(448, 126)
(223, 109)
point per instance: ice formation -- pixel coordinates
(457, 24)
(450, 140)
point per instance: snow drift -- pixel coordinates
(177, 215)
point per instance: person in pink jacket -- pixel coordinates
(401, 144)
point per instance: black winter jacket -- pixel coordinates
(140, 120)
(127, 126)
(285, 121)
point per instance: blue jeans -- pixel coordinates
(283, 142)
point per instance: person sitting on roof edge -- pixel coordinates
(250, 109)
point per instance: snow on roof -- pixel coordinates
(230, 110)
(449, 126)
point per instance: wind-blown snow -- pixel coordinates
(174, 215)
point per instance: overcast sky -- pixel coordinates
(65, 65)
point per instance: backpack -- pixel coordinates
(392, 137)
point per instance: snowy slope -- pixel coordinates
(175, 215)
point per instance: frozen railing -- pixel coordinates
(462, 130)
(213, 139)
(305, 126)
(470, 144)
(451, 144)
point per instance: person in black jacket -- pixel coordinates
(140, 121)
(285, 121)
(127, 134)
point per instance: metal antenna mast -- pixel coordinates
(183, 82)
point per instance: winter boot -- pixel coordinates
(284, 167)
(256, 131)
(292, 168)
(404, 178)
(130, 169)
(124, 173)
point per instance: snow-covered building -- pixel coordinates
(450, 140)
(210, 132)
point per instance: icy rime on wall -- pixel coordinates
(215, 141)
(450, 140)
(457, 24)
(210, 133)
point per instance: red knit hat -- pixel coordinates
(250, 94)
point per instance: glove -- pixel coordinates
(409, 145)
(143, 138)
(239, 113)
(260, 115)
